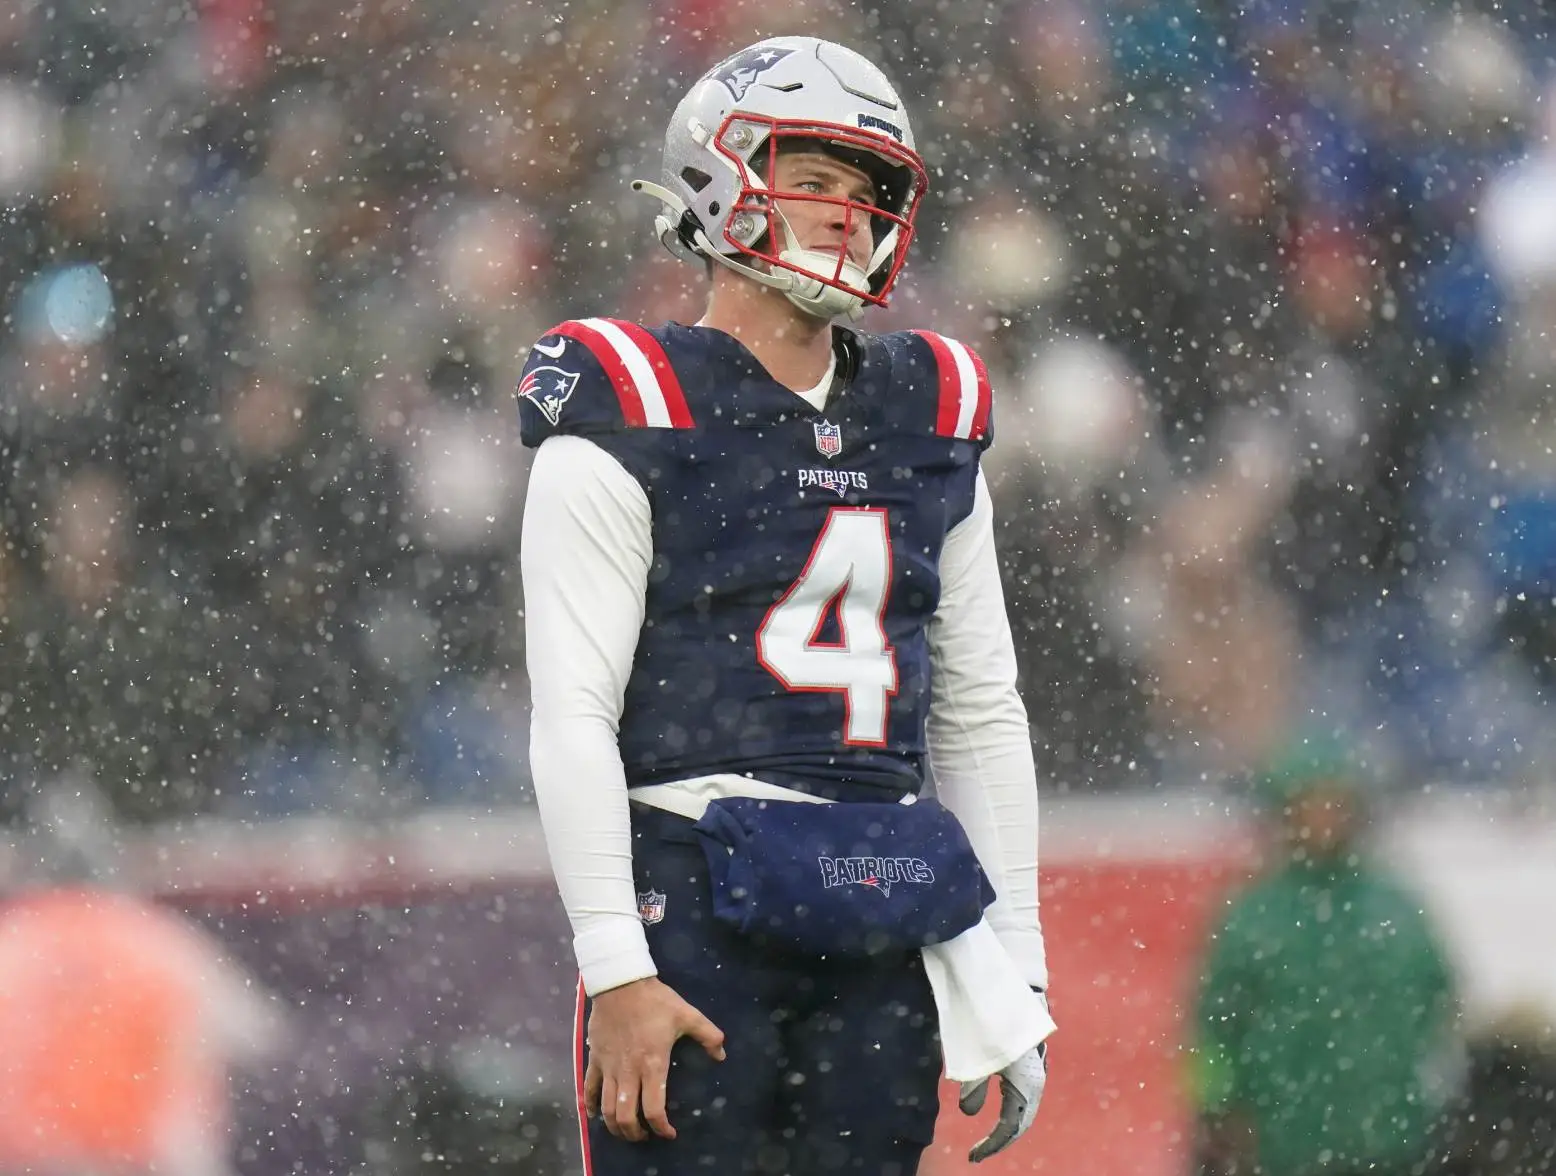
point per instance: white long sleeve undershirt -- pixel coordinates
(586, 551)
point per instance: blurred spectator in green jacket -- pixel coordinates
(1326, 1030)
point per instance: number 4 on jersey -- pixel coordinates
(849, 569)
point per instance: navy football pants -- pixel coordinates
(831, 1066)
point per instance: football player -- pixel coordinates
(759, 561)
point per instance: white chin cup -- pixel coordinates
(814, 296)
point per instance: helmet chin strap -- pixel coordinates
(811, 295)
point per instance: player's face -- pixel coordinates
(821, 224)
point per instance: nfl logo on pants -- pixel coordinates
(829, 438)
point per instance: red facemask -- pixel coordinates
(756, 229)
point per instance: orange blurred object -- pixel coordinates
(107, 1065)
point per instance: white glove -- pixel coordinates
(1021, 1089)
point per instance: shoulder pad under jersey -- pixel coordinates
(950, 384)
(591, 376)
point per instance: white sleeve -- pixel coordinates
(980, 749)
(585, 554)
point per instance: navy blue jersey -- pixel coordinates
(795, 552)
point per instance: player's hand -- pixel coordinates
(631, 1032)
(1021, 1089)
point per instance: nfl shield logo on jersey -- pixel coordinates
(651, 906)
(829, 439)
(548, 388)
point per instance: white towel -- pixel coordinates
(988, 1015)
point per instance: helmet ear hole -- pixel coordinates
(696, 179)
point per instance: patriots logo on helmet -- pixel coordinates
(548, 389)
(869, 122)
(740, 72)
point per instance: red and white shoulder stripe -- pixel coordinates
(965, 393)
(639, 370)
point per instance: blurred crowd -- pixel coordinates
(1267, 286)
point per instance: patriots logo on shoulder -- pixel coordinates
(829, 438)
(651, 906)
(740, 72)
(548, 389)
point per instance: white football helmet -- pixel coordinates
(724, 138)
